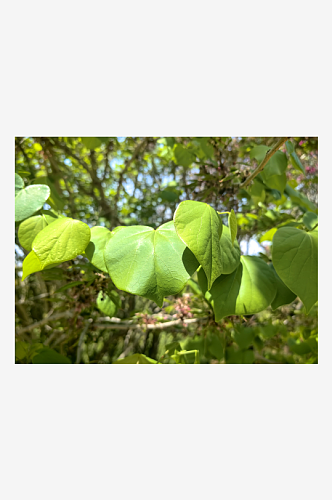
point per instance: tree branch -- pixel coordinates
(268, 156)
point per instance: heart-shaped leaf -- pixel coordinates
(95, 249)
(248, 290)
(147, 262)
(295, 259)
(19, 184)
(29, 229)
(230, 253)
(199, 227)
(58, 242)
(29, 200)
(284, 295)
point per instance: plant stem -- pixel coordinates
(268, 156)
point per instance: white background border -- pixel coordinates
(177, 69)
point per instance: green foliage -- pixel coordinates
(147, 262)
(120, 255)
(95, 249)
(199, 227)
(30, 199)
(63, 240)
(248, 290)
(295, 259)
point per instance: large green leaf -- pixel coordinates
(31, 264)
(147, 262)
(284, 295)
(29, 229)
(199, 227)
(230, 253)
(295, 259)
(29, 200)
(60, 241)
(19, 184)
(248, 290)
(95, 249)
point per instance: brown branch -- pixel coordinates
(267, 157)
(156, 326)
(42, 322)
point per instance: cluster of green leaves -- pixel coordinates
(159, 262)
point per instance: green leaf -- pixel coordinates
(199, 227)
(91, 142)
(50, 357)
(31, 264)
(232, 224)
(147, 262)
(29, 200)
(243, 336)
(295, 161)
(275, 182)
(284, 295)
(248, 290)
(19, 184)
(58, 242)
(295, 259)
(259, 152)
(268, 236)
(299, 199)
(21, 349)
(310, 220)
(257, 191)
(105, 304)
(29, 229)
(299, 347)
(215, 346)
(230, 253)
(207, 148)
(169, 195)
(183, 156)
(95, 250)
(136, 359)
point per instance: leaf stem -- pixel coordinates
(267, 157)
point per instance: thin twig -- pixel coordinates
(80, 342)
(267, 157)
(42, 322)
(156, 326)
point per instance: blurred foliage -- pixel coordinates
(113, 181)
